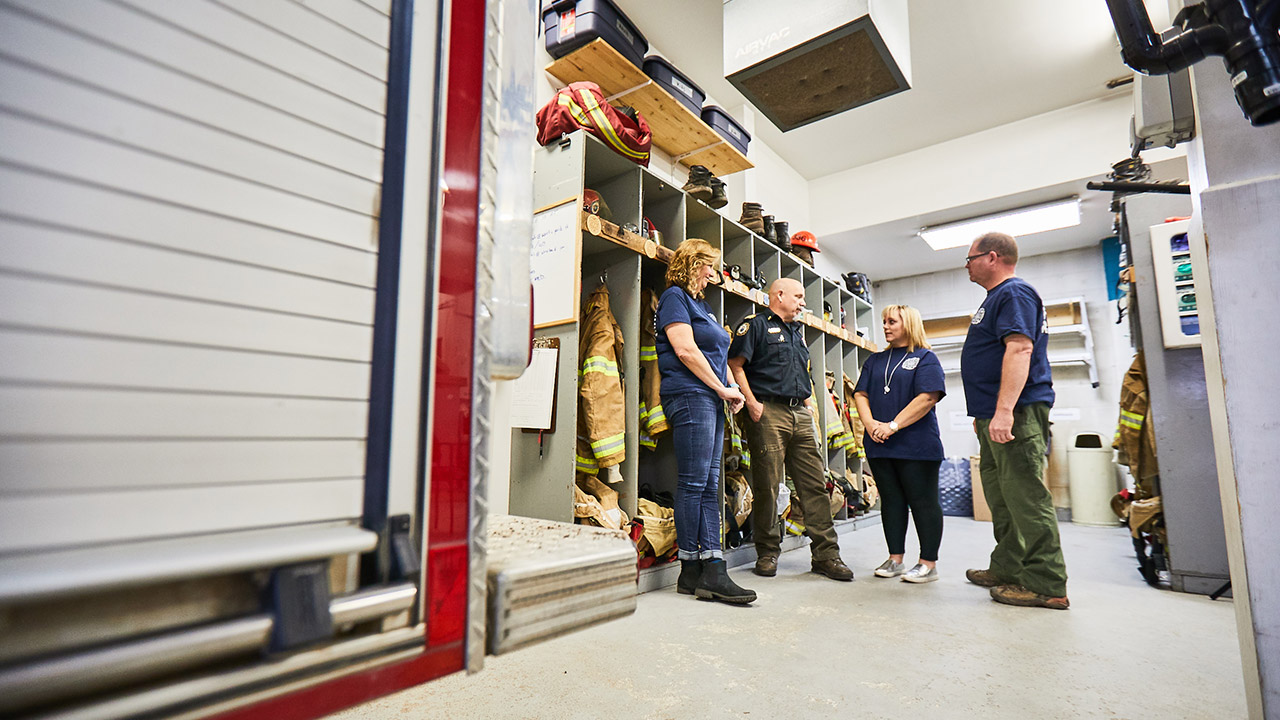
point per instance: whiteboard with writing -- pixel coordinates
(553, 264)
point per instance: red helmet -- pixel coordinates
(594, 204)
(805, 239)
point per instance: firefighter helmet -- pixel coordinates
(805, 239)
(594, 204)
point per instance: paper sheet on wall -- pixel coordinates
(960, 420)
(533, 394)
(553, 264)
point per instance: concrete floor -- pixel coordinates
(814, 648)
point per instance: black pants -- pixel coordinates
(910, 484)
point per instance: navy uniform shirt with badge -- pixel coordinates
(892, 379)
(777, 359)
(1012, 307)
(677, 306)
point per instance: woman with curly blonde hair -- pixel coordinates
(693, 349)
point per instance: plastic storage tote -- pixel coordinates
(671, 80)
(570, 24)
(728, 128)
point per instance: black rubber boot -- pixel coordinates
(716, 585)
(769, 233)
(690, 574)
(784, 237)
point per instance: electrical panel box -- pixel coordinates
(1175, 284)
(1163, 113)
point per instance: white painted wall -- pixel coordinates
(1076, 273)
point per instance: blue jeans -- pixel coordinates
(697, 429)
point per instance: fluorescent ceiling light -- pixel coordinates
(1023, 221)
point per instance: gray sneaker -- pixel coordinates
(921, 573)
(890, 569)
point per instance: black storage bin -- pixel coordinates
(671, 80)
(728, 128)
(570, 24)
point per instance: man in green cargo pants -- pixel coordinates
(1008, 389)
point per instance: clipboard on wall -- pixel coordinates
(533, 398)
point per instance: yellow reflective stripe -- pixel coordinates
(1130, 424)
(566, 101)
(610, 445)
(648, 352)
(586, 465)
(606, 128)
(600, 365)
(656, 416)
(646, 441)
(1125, 414)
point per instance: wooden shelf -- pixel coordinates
(676, 130)
(601, 228)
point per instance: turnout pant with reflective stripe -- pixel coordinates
(1028, 551)
(783, 443)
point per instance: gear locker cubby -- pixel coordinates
(620, 250)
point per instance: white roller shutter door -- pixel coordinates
(189, 193)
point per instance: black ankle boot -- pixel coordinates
(690, 574)
(769, 233)
(719, 198)
(699, 183)
(716, 585)
(784, 238)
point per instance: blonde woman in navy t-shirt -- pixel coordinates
(895, 397)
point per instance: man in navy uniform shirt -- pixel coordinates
(770, 361)
(1009, 390)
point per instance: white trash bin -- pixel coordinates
(1092, 477)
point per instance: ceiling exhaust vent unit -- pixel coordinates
(804, 60)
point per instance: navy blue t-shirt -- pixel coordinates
(908, 374)
(1011, 307)
(677, 306)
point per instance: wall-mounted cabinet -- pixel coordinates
(543, 466)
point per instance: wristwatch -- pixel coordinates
(893, 425)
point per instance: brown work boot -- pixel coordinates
(983, 578)
(766, 566)
(833, 568)
(751, 217)
(1022, 597)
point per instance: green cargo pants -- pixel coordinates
(783, 443)
(1028, 551)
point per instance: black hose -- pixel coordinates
(1145, 51)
